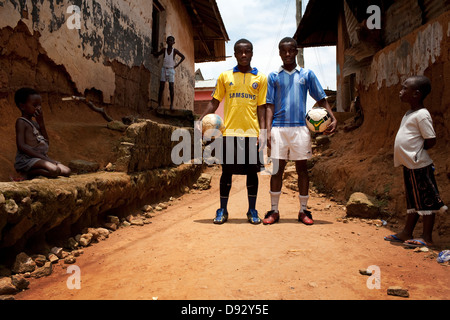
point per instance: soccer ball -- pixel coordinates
(212, 124)
(318, 119)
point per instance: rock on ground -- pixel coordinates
(23, 263)
(360, 205)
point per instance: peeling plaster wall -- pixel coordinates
(111, 31)
(403, 58)
(426, 51)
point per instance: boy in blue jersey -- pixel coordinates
(244, 90)
(287, 133)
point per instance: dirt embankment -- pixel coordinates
(362, 159)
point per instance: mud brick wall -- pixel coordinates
(147, 145)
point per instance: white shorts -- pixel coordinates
(167, 74)
(291, 143)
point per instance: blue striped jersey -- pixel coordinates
(287, 92)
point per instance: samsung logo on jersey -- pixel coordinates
(242, 95)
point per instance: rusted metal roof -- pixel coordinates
(210, 34)
(318, 26)
(433, 8)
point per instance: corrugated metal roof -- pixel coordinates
(210, 34)
(318, 27)
(434, 8)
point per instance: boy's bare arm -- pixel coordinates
(160, 52)
(429, 143)
(261, 113)
(324, 104)
(269, 117)
(21, 133)
(39, 116)
(181, 56)
(210, 108)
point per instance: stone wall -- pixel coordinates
(46, 210)
(147, 145)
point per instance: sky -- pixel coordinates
(265, 23)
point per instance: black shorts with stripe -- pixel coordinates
(422, 194)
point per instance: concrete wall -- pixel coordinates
(110, 52)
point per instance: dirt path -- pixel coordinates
(183, 255)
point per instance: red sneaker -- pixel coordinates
(305, 217)
(271, 217)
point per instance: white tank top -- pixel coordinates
(169, 62)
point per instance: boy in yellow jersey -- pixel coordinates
(244, 89)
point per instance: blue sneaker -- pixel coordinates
(221, 216)
(252, 216)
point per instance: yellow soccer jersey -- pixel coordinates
(243, 92)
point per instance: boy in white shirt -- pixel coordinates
(415, 136)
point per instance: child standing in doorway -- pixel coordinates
(168, 69)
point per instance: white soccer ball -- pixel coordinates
(318, 119)
(212, 125)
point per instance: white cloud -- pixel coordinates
(265, 23)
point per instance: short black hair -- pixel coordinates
(423, 84)
(21, 96)
(287, 40)
(169, 37)
(243, 41)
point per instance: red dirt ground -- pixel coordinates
(183, 255)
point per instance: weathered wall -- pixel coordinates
(148, 145)
(179, 26)
(362, 160)
(45, 209)
(40, 212)
(111, 52)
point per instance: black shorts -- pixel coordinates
(422, 194)
(240, 155)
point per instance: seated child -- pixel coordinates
(32, 139)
